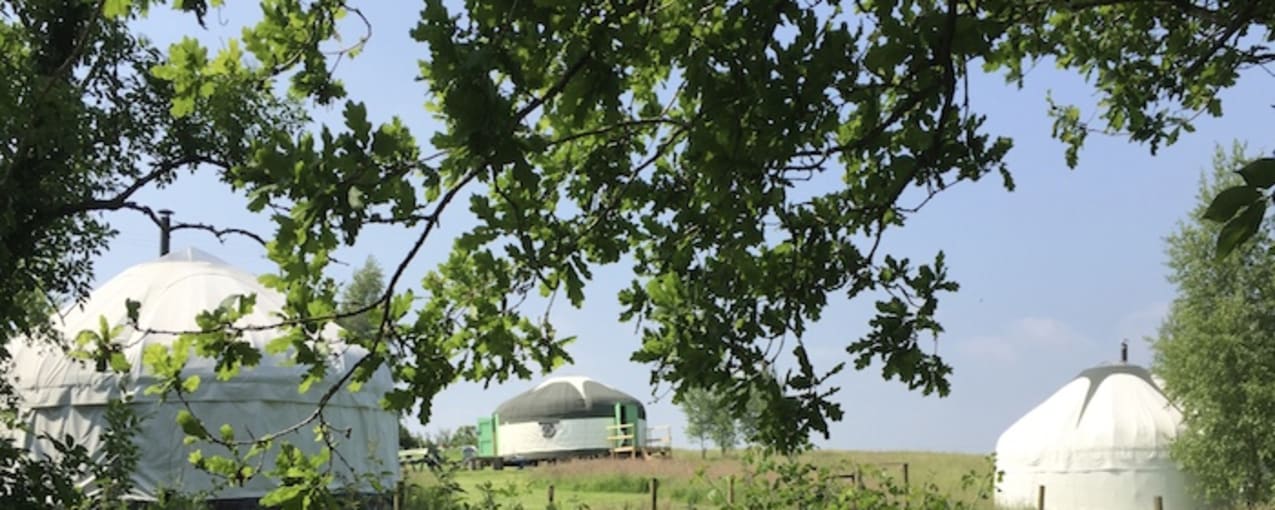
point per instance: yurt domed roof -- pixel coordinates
(565, 397)
(1105, 408)
(172, 290)
(1101, 442)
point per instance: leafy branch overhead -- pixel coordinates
(744, 159)
(1242, 208)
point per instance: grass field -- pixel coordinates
(687, 481)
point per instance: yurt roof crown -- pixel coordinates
(565, 397)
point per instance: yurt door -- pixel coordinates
(487, 436)
(627, 414)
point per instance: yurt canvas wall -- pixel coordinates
(565, 417)
(1101, 442)
(70, 397)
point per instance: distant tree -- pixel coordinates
(749, 421)
(365, 288)
(710, 417)
(699, 405)
(444, 438)
(749, 418)
(465, 435)
(407, 440)
(1215, 354)
(723, 428)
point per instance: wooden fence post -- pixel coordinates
(907, 488)
(655, 493)
(398, 495)
(730, 490)
(1040, 498)
(550, 494)
(1159, 503)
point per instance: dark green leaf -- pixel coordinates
(1259, 173)
(1229, 202)
(1240, 229)
(134, 308)
(356, 119)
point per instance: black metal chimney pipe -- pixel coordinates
(1124, 351)
(165, 230)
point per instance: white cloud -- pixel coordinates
(1142, 323)
(1043, 331)
(1022, 337)
(989, 347)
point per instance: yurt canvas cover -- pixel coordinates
(562, 416)
(70, 397)
(1101, 442)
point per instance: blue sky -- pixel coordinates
(1053, 275)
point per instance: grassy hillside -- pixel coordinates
(687, 481)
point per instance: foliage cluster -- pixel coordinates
(28, 483)
(745, 156)
(1213, 349)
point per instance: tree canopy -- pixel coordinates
(677, 137)
(1214, 350)
(711, 417)
(465, 435)
(708, 418)
(363, 291)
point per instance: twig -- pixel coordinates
(367, 36)
(220, 233)
(76, 50)
(555, 89)
(432, 221)
(385, 315)
(1240, 20)
(613, 127)
(524, 239)
(120, 200)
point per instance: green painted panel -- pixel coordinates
(631, 412)
(487, 436)
(628, 413)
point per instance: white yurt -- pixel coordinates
(566, 417)
(68, 397)
(1101, 442)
